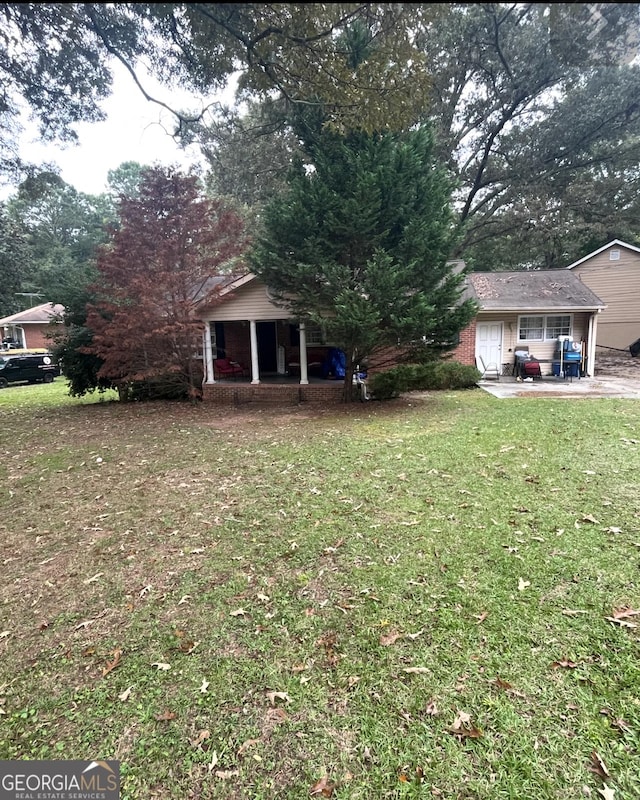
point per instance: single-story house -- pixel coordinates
(246, 325)
(28, 329)
(530, 309)
(613, 273)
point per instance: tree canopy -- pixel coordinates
(61, 229)
(536, 112)
(56, 59)
(360, 240)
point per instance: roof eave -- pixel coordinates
(541, 310)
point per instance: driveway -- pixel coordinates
(617, 376)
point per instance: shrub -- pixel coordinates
(422, 377)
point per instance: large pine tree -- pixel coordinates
(360, 240)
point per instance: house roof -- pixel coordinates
(612, 243)
(220, 285)
(538, 290)
(38, 314)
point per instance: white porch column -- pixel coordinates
(255, 369)
(593, 333)
(304, 377)
(208, 354)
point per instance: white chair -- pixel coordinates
(490, 370)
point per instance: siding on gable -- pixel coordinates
(248, 302)
(617, 283)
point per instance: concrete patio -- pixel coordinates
(625, 387)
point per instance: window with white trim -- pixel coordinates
(543, 328)
(314, 334)
(557, 325)
(614, 255)
(531, 329)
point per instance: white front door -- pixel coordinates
(489, 342)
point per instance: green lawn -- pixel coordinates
(432, 597)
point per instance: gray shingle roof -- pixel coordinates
(536, 290)
(38, 314)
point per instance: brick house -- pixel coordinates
(29, 329)
(528, 309)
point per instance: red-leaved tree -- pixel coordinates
(154, 273)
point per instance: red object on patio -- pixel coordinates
(226, 368)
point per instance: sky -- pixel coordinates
(135, 130)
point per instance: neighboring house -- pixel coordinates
(28, 329)
(531, 309)
(613, 273)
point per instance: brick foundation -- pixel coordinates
(282, 394)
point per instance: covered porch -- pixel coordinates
(267, 354)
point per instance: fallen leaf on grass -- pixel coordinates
(239, 612)
(84, 624)
(111, 665)
(93, 578)
(161, 665)
(184, 599)
(607, 792)
(571, 612)
(481, 617)
(565, 664)
(386, 640)
(165, 716)
(245, 746)
(123, 696)
(145, 590)
(226, 774)
(5, 634)
(432, 709)
(323, 788)
(623, 623)
(200, 738)
(462, 727)
(624, 612)
(416, 670)
(273, 696)
(204, 686)
(415, 635)
(598, 766)
(590, 518)
(522, 584)
(187, 646)
(621, 725)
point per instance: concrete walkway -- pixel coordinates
(605, 386)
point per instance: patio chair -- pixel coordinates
(488, 370)
(226, 368)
